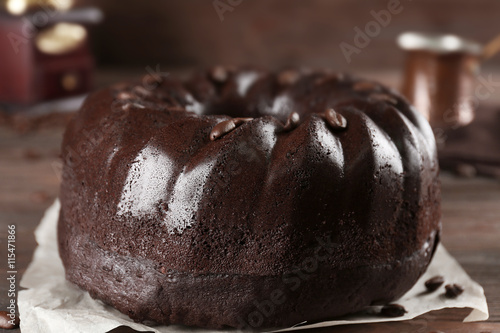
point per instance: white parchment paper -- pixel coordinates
(51, 304)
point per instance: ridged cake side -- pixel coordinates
(166, 223)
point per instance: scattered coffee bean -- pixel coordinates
(434, 283)
(383, 98)
(292, 121)
(227, 126)
(365, 86)
(288, 77)
(7, 322)
(219, 74)
(329, 78)
(453, 290)
(393, 310)
(335, 120)
(126, 329)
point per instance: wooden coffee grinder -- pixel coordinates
(44, 50)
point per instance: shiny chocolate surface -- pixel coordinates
(176, 210)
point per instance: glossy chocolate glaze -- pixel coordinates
(167, 221)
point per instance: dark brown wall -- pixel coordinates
(275, 33)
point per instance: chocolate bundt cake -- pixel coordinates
(242, 198)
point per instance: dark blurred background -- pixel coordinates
(180, 35)
(275, 33)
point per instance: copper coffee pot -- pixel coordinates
(440, 76)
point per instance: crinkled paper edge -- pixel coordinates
(51, 304)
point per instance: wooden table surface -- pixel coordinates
(29, 182)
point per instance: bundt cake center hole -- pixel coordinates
(243, 109)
